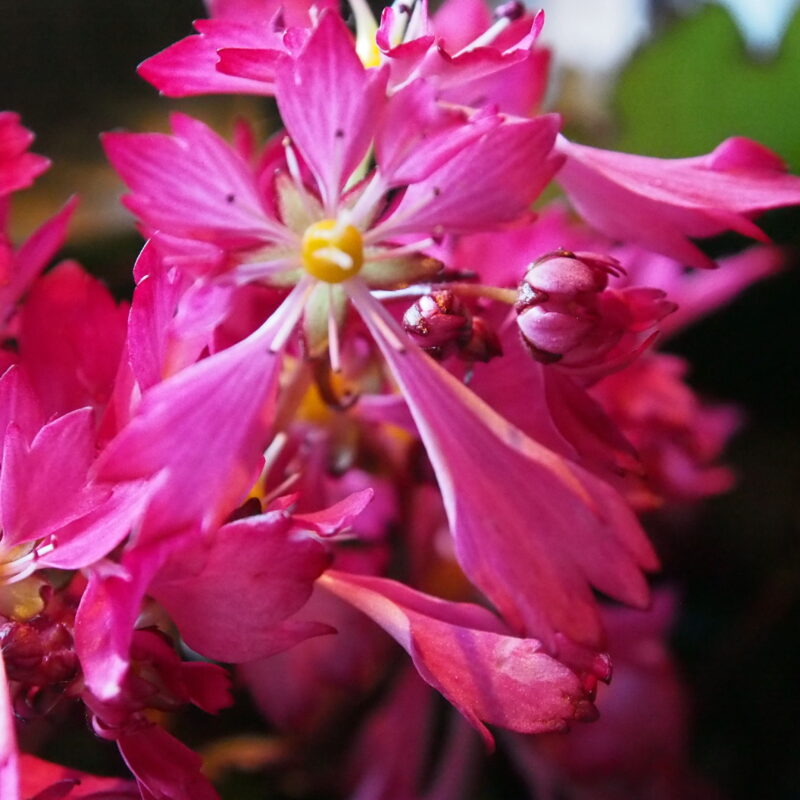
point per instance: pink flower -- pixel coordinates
(678, 437)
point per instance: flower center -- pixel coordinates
(332, 251)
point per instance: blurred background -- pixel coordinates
(659, 78)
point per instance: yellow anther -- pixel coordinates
(332, 251)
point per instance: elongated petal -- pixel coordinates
(172, 319)
(462, 651)
(660, 203)
(490, 183)
(206, 427)
(534, 531)
(192, 184)
(255, 573)
(347, 100)
(9, 757)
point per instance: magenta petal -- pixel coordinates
(18, 168)
(491, 182)
(71, 337)
(660, 203)
(189, 67)
(43, 486)
(347, 100)
(42, 780)
(192, 184)
(338, 516)
(19, 403)
(253, 575)
(489, 676)
(417, 135)
(206, 427)
(165, 768)
(9, 758)
(107, 613)
(253, 64)
(541, 532)
(94, 536)
(34, 255)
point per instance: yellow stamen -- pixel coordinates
(332, 251)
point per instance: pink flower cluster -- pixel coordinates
(361, 385)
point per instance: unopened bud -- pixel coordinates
(439, 323)
(38, 653)
(568, 315)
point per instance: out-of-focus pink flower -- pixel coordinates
(661, 203)
(678, 437)
(638, 747)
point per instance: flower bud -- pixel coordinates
(568, 315)
(439, 323)
(38, 653)
(483, 344)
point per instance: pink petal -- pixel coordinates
(699, 293)
(9, 756)
(38, 776)
(338, 516)
(34, 255)
(462, 651)
(44, 486)
(107, 613)
(491, 182)
(254, 64)
(660, 203)
(93, 536)
(189, 67)
(172, 319)
(347, 99)
(207, 427)
(534, 531)
(71, 337)
(19, 403)
(18, 168)
(192, 184)
(165, 769)
(255, 573)
(417, 135)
